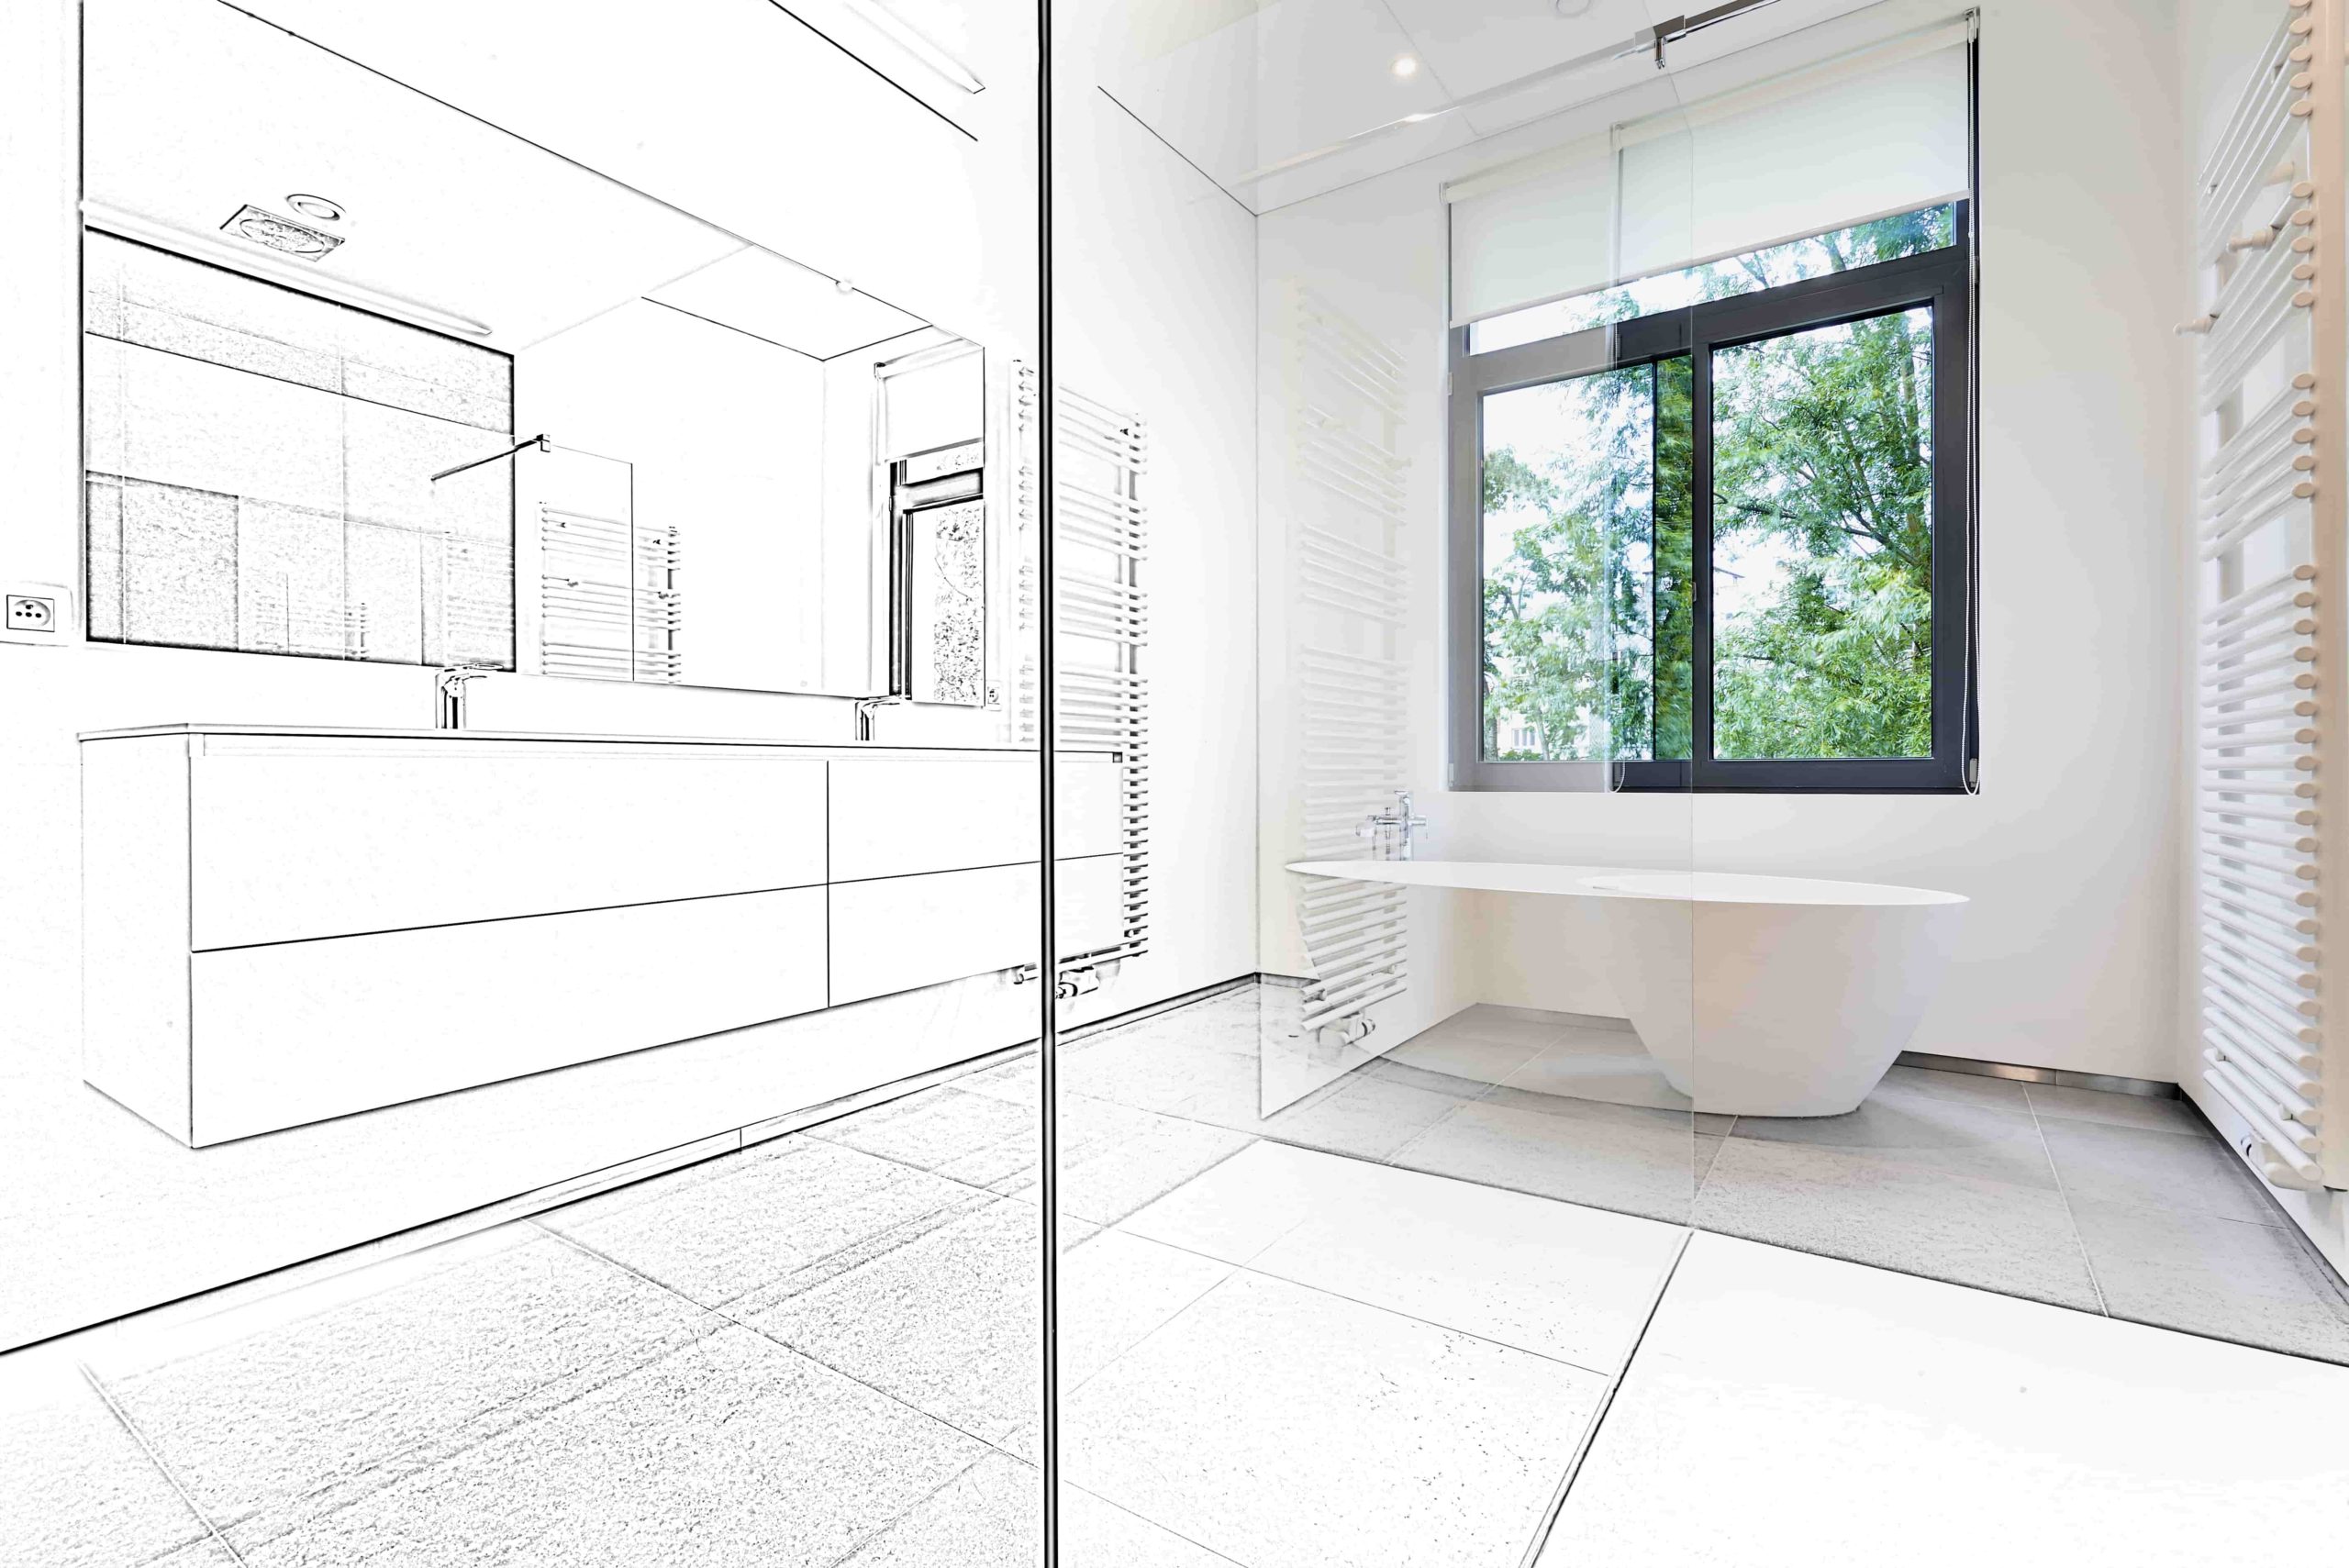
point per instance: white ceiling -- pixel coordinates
(760, 293)
(1279, 100)
(192, 111)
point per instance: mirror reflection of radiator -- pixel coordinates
(609, 606)
(2268, 645)
(1349, 582)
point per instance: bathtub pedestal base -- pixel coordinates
(1757, 995)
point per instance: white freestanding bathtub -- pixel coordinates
(1757, 995)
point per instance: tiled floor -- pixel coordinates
(2104, 1202)
(823, 1351)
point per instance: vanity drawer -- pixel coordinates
(301, 1031)
(319, 841)
(900, 933)
(898, 816)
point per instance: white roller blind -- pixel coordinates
(1881, 131)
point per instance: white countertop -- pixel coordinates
(1620, 882)
(363, 732)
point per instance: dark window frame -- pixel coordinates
(1940, 279)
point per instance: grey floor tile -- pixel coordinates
(1117, 1289)
(1847, 1203)
(1466, 1053)
(2255, 1284)
(1098, 1534)
(1626, 1158)
(2103, 1164)
(2054, 1103)
(79, 1491)
(991, 1516)
(1282, 1426)
(1975, 1088)
(1600, 1064)
(974, 1139)
(1925, 1129)
(732, 1449)
(1115, 1158)
(1162, 1074)
(948, 1323)
(766, 1215)
(1018, 1081)
(1714, 1123)
(1708, 1148)
(1359, 1115)
(309, 1410)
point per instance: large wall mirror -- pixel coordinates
(341, 402)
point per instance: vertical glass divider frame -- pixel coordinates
(1047, 862)
(1940, 279)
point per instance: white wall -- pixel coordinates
(1155, 281)
(2069, 852)
(726, 434)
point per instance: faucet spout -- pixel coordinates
(1391, 830)
(865, 707)
(451, 685)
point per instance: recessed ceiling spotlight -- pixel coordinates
(1405, 65)
(282, 235)
(842, 285)
(1570, 10)
(319, 207)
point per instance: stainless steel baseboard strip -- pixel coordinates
(2054, 1078)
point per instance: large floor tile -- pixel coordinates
(1357, 1115)
(1162, 1071)
(759, 1217)
(2103, 1164)
(2055, 1103)
(1934, 1083)
(1586, 1063)
(1787, 1411)
(1097, 1534)
(991, 1516)
(1116, 1290)
(974, 1139)
(1631, 1159)
(1936, 1129)
(732, 1449)
(949, 1323)
(1115, 1158)
(79, 1492)
(2252, 1284)
(1850, 1203)
(1283, 1426)
(1557, 1279)
(1469, 1053)
(398, 1367)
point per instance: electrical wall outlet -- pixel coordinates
(36, 613)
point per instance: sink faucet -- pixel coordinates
(864, 709)
(1390, 831)
(451, 686)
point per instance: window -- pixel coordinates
(1713, 527)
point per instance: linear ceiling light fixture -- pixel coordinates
(1646, 41)
(266, 265)
(917, 43)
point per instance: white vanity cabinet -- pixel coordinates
(283, 926)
